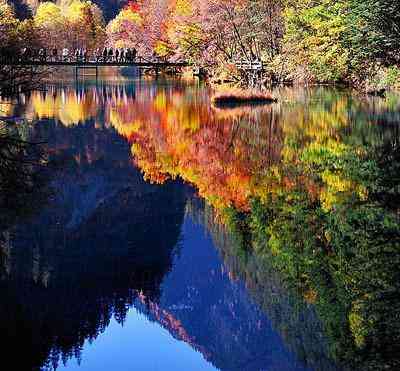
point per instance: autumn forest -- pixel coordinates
(312, 41)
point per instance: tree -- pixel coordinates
(8, 24)
(140, 24)
(14, 35)
(218, 33)
(185, 30)
(374, 31)
(86, 21)
(126, 28)
(51, 24)
(315, 36)
(75, 25)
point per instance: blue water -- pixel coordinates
(137, 344)
(199, 295)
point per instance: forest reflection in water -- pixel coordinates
(174, 130)
(243, 162)
(107, 242)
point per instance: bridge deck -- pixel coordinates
(93, 63)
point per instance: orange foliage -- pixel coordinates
(223, 157)
(174, 133)
(229, 155)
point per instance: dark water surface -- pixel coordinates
(125, 265)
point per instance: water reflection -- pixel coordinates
(22, 172)
(320, 159)
(105, 236)
(107, 242)
(297, 323)
(227, 154)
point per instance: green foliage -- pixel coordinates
(342, 255)
(237, 225)
(347, 40)
(373, 30)
(392, 78)
(314, 35)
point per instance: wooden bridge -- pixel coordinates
(93, 63)
(140, 62)
(252, 68)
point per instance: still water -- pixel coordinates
(125, 263)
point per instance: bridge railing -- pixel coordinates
(72, 59)
(68, 59)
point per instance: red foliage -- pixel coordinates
(133, 6)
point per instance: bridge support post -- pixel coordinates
(12, 79)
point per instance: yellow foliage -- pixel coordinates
(6, 11)
(48, 14)
(75, 10)
(162, 49)
(357, 327)
(336, 182)
(183, 8)
(8, 22)
(160, 102)
(6, 108)
(125, 15)
(274, 245)
(71, 112)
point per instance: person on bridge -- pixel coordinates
(124, 55)
(84, 55)
(33, 54)
(55, 54)
(127, 54)
(24, 54)
(29, 54)
(96, 54)
(6, 54)
(105, 53)
(65, 54)
(110, 54)
(117, 55)
(42, 55)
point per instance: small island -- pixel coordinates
(241, 97)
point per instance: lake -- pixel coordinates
(130, 249)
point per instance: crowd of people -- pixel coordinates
(79, 55)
